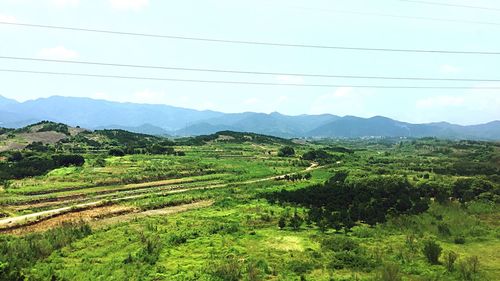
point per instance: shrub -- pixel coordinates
(228, 270)
(459, 240)
(116, 152)
(286, 151)
(66, 160)
(390, 272)
(296, 221)
(339, 243)
(16, 156)
(468, 268)
(100, 162)
(432, 251)
(151, 250)
(449, 260)
(346, 259)
(282, 222)
(444, 229)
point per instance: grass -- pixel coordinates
(238, 236)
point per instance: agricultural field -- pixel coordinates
(114, 205)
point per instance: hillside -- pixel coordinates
(53, 134)
(43, 132)
(234, 137)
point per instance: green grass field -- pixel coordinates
(207, 216)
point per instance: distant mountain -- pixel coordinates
(275, 124)
(170, 120)
(6, 102)
(9, 117)
(90, 113)
(147, 129)
(378, 126)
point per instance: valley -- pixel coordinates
(117, 205)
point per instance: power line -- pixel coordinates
(451, 5)
(260, 43)
(402, 16)
(250, 72)
(245, 82)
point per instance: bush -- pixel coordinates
(320, 156)
(468, 268)
(432, 251)
(459, 240)
(286, 151)
(282, 222)
(296, 221)
(67, 160)
(151, 251)
(20, 253)
(347, 259)
(116, 152)
(449, 260)
(390, 272)
(339, 243)
(228, 269)
(100, 162)
(444, 229)
(16, 156)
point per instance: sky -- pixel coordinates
(354, 23)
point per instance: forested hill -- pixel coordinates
(169, 120)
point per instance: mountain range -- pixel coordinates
(176, 121)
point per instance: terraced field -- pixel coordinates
(67, 190)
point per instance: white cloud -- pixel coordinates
(289, 79)
(474, 107)
(343, 101)
(101, 96)
(7, 18)
(58, 53)
(162, 97)
(65, 3)
(440, 101)
(343, 92)
(449, 69)
(251, 101)
(128, 4)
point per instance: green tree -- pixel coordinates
(432, 251)
(296, 221)
(282, 222)
(286, 151)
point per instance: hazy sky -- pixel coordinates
(317, 22)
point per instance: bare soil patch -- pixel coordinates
(86, 216)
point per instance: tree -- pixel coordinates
(432, 251)
(67, 160)
(296, 221)
(116, 152)
(449, 260)
(286, 151)
(16, 156)
(282, 222)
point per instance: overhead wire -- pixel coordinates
(247, 82)
(259, 43)
(231, 71)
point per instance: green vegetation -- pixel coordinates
(240, 206)
(286, 151)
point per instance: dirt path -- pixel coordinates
(106, 215)
(157, 212)
(85, 215)
(16, 222)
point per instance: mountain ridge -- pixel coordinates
(176, 121)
